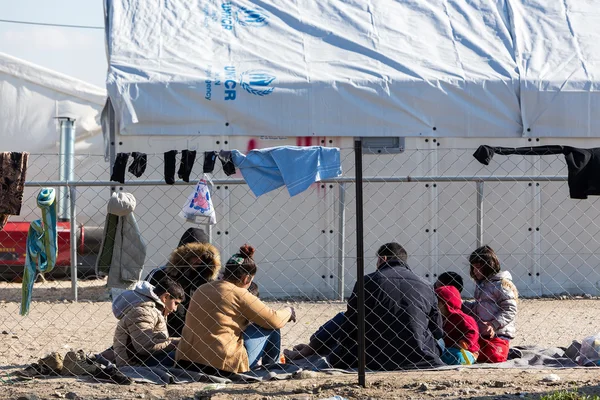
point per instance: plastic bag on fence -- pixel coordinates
(198, 207)
(590, 350)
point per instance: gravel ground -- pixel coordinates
(55, 323)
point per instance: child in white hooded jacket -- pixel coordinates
(494, 307)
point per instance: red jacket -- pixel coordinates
(458, 326)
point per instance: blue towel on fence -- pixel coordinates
(42, 245)
(295, 167)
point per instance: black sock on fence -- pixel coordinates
(118, 172)
(170, 167)
(226, 162)
(210, 157)
(187, 163)
(138, 166)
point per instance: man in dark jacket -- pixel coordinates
(402, 320)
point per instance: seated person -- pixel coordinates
(324, 339)
(141, 337)
(322, 342)
(449, 279)
(461, 335)
(402, 321)
(252, 337)
(192, 264)
(214, 340)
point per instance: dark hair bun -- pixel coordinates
(247, 251)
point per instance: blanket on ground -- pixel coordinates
(525, 357)
(163, 376)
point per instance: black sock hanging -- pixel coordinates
(170, 167)
(138, 166)
(187, 163)
(118, 171)
(210, 157)
(228, 166)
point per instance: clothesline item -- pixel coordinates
(42, 246)
(123, 250)
(137, 167)
(198, 207)
(583, 164)
(210, 157)
(187, 163)
(295, 167)
(13, 169)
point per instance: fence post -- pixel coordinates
(479, 213)
(66, 168)
(112, 142)
(360, 262)
(74, 244)
(341, 239)
(209, 232)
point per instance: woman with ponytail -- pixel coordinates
(214, 338)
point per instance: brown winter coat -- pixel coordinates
(218, 314)
(141, 332)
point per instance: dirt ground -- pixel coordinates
(55, 323)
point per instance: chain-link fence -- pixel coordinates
(440, 204)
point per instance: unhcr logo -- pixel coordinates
(253, 17)
(257, 82)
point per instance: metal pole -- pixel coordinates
(479, 213)
(67, 164)
(62, 174)
(112, 138)
(74, 243)
(360, 262)
(341, 239)
(209, 232)
(368, 179)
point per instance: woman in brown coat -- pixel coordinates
(219, 312)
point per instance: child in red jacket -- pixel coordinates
(461, 334)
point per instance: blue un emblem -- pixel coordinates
(251, 17)
(256, 82)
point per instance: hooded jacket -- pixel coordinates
(495, 302)
(458, 326)
(123, 251)
(142, 328)
(190, 279)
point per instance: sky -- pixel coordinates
(79, 53)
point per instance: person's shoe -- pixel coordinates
(53, 362)
(513, 353)
(77, 363)
(112, 374)
(33, 370)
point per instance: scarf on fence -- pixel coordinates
(42, 246)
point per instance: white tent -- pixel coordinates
(244, 74)
(507, 68)
(32, 97)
